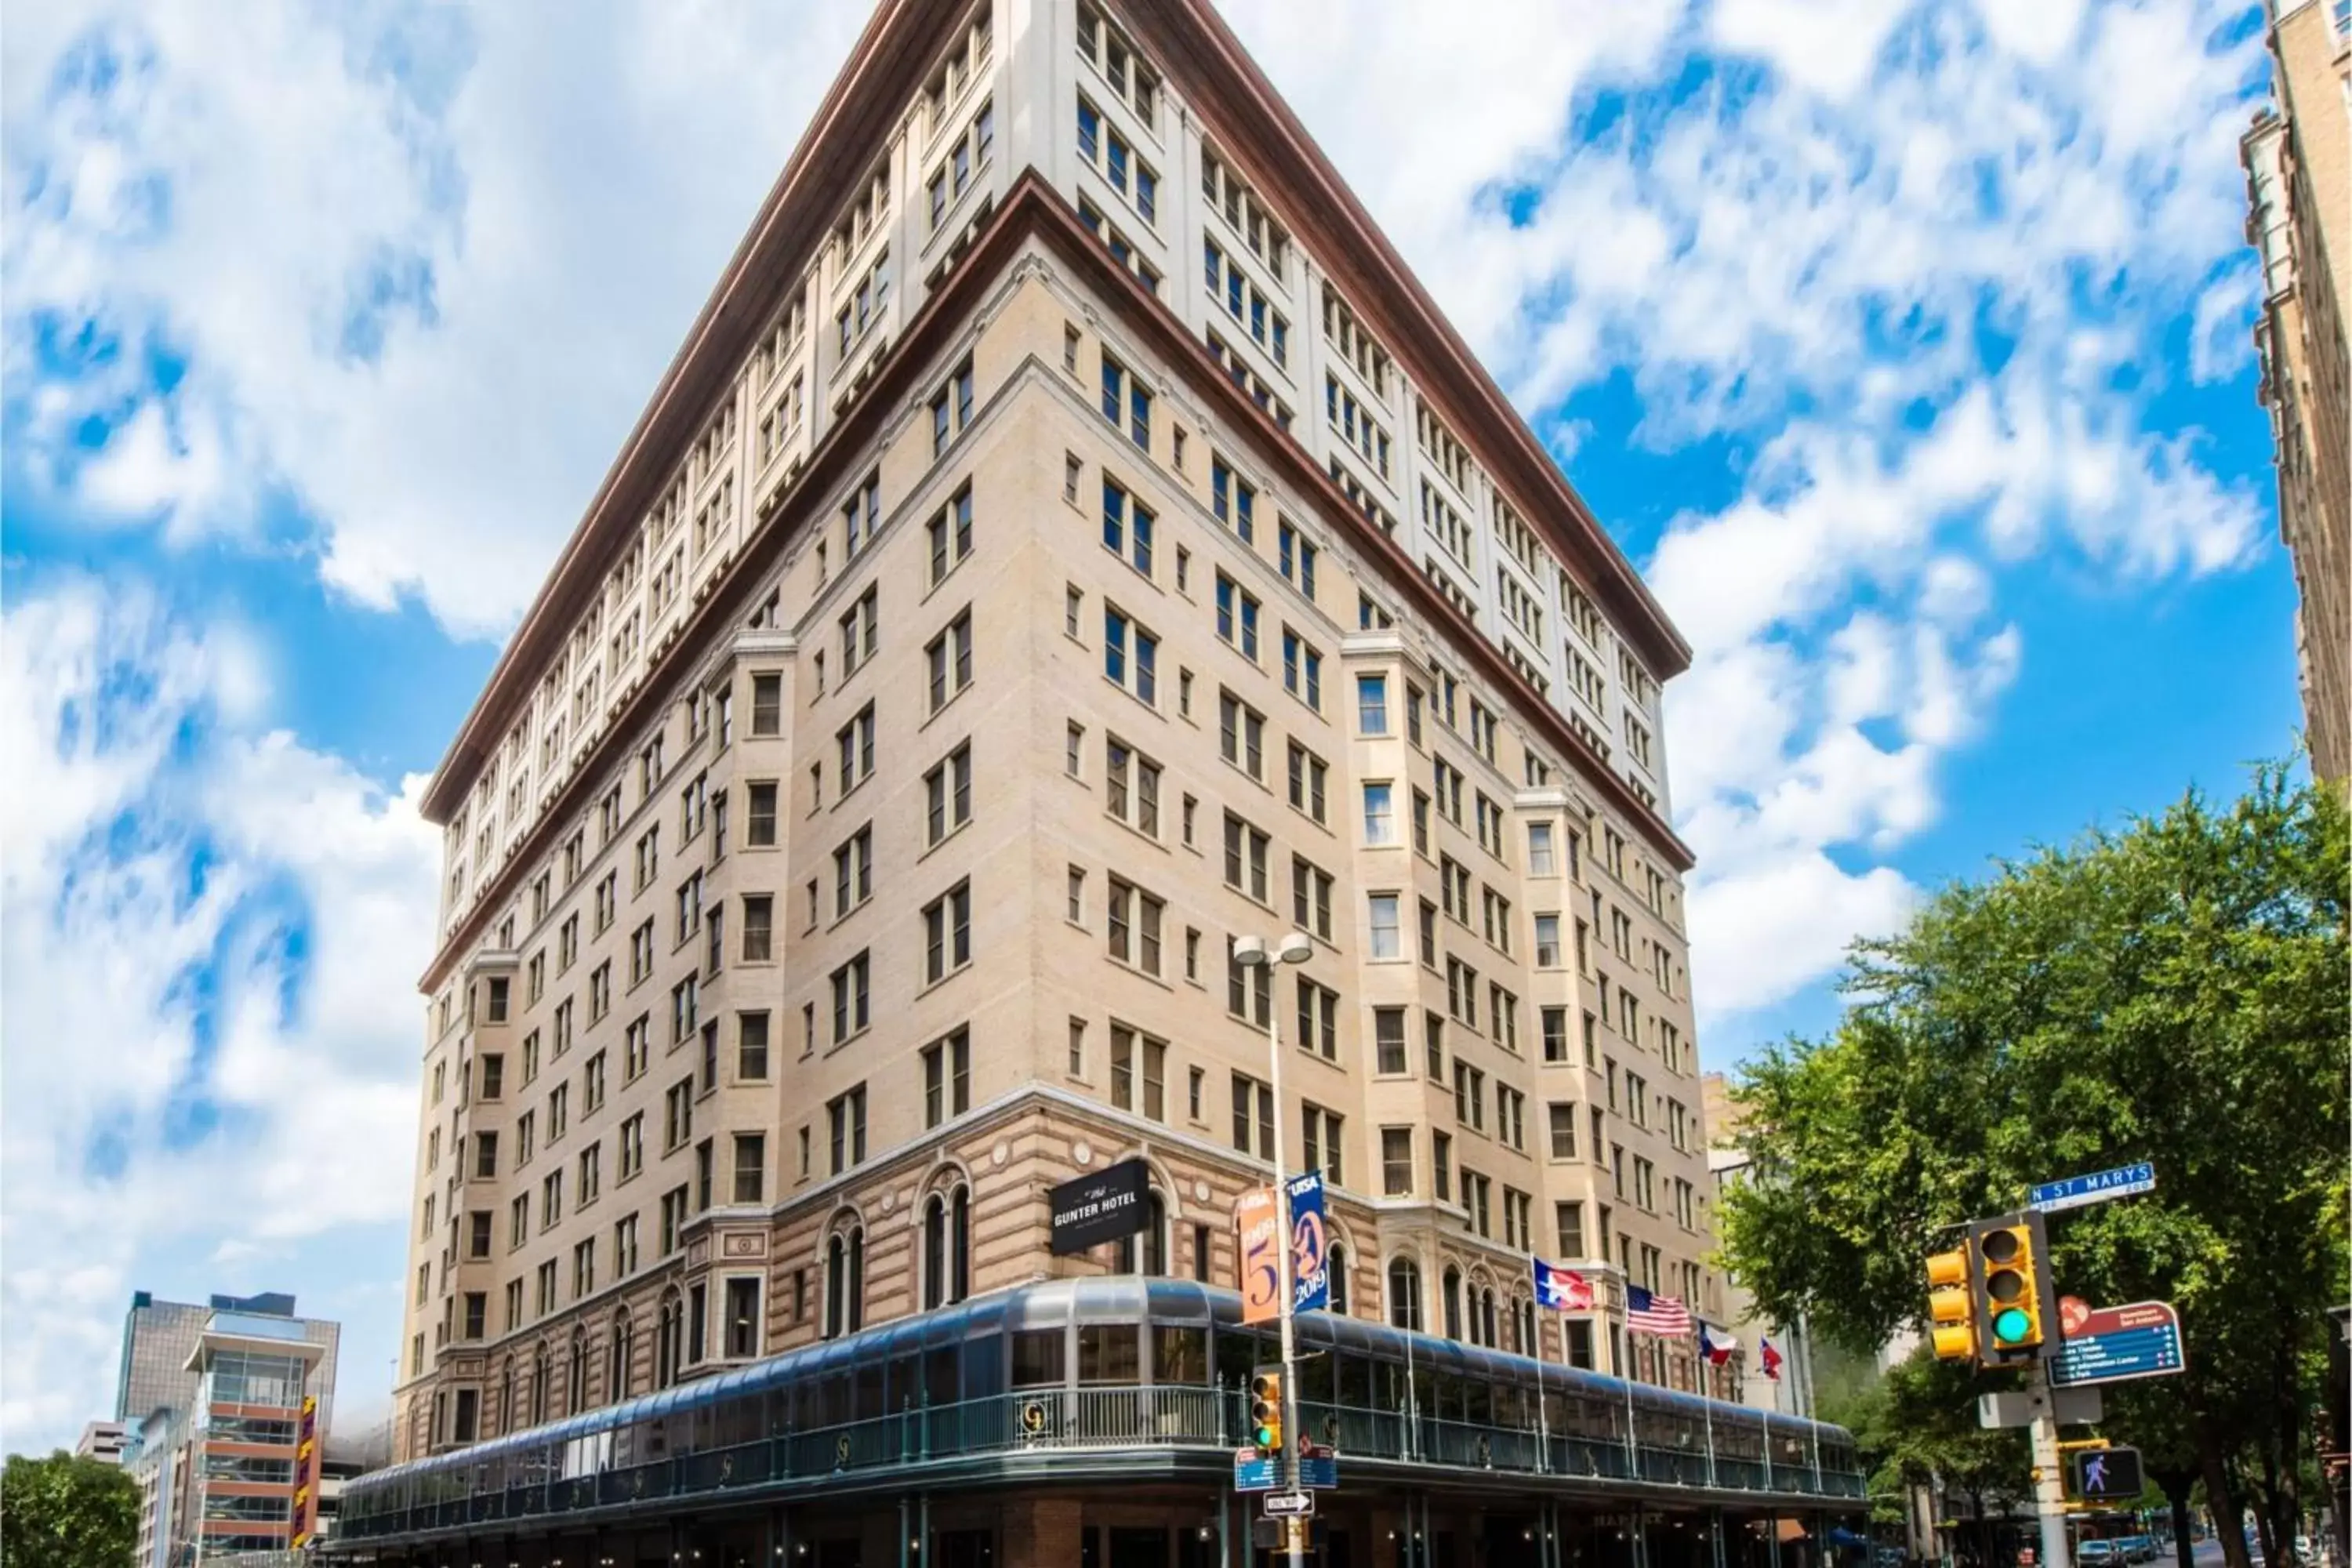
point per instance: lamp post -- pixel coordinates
(1252, 952)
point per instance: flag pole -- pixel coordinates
(1707, 1401)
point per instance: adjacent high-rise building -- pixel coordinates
(1068, 546)
(160, 1339)
(235, 1468)
(2298, 159)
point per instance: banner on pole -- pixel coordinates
(1259, 1224)
(1310, 1248)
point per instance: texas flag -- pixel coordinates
(1721, 1347)
(1563, 1289)
(1770, 1357)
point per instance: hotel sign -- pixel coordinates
(1106, 1206)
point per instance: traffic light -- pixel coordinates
(2017, 1304)
(1951, 1310)
(1265, 1410)
(2103, 1475)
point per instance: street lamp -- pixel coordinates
(1251, 953)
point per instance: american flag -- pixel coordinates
(1665, 1316)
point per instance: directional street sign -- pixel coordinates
(1255, 1471)
(1318, 1472)
(1289, 1505)
(2142, 1340)
(2077, 1192)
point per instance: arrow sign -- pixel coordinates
(1289, 1505)
(2079, 1192)
(2115, 1343)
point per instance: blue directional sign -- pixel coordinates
(2115, 1343)
(1255, 1471)
(1318, 1472)
(2076, 1191)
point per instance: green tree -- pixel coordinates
(1915, 1425)
(65, 1512)
(2176, 991)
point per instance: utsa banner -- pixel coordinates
(1311, 1246)
(1258, 1222)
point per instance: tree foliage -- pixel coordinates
(65, 1512)
(2176, 991)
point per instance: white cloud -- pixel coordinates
(211, 935)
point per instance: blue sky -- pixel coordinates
(1905, 348)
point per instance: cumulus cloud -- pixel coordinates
(211, 935)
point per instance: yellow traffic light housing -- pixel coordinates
(1951, 1308)
(1265, 1410)
(2016, 1307)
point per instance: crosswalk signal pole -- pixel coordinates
(2049, 1469)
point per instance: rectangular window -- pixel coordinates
(947, 1078)
(1296, 557)
(854, 743)
(1134, 925)
(1234, 500)
(1127, 526)
(1241, 735)
(1245, 858)
(767, 705)
(846, 1122)
(947, 660)
(1388, 1037)
(1396, 1162)
(946, 795)
(947, 933)
(851, 1000)
(949, 534)
(1237, 617)
(1252, 1116)
(1302, 669)
(1388, 939)
(1372, 704)
(1131, 655)
(750, 1167)
(1308, 776)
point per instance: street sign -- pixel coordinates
(1255, 1471)
(1289, 1505)
(1318, 1472)
(2076, 1191)
(2142, 1340)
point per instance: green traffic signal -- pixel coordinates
(2012, 1326)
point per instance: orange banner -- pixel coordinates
(1259, 1223)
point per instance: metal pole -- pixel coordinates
(2049, 1477)
(1290, 1432)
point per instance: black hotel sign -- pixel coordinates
(1105, 1206)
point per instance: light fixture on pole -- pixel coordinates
(1252, 952)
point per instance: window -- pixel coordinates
(1234, 500)
(760, 815)
(948, 658)
(1245, 856)
(1119, 389)
(1237, 617)
(1388, 1039)
(1139, 1071)
(1322, 1143)
(750, 1167)
(1541, 859)
(947, 1247)
(846, 1123)
(861, 632)
(1555, 1034)
(1308, 775)
(1296, 557)
(1372, 704)
(1132, 786)
(1127, 526)
(1388, 940)
(750, 1047)
(1134, 925)
(851, 1001)
(1396, 1162)
(1310, 898)
(947, 1078)
(949, 534)
(1302, 669)
(633, 1146)
(1252, 1116)
(1379, 814)
(946, 795)
(861, 515)
(1130, 656)
(852, 871)
(1318, 1019)
(1249, 989)
(844, 1282)
(1241, 735)
(1547, 942)
(947, 933)
(855, 741)
(1405, 1295)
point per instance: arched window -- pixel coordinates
(1337, 1259)
(506, 1410)
(844, 1282)
(575, 1381)
(670, 1340)
(1450, 1287)
(1522, 1313)
(617, 1359)
(947, 1246)
(1486, 1324)
(538, 1385)
(1404, 1294)
(1147, 1252)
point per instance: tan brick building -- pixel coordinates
(1067, 540)
(2298, 158)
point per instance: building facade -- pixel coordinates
(1069, 541)
(160, 1339)
(2298, 160)
(235, 1469)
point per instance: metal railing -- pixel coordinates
(1063, 1418)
